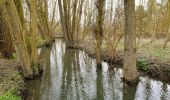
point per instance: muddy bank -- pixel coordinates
(155, 68)
(11, 80)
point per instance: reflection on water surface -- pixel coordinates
(72, 75)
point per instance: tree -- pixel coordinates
(13, 21)
(6, 47)
(168, 35)
(70, 17)
(99, 30)
(43, 23)
(129, 67)
(33, 32)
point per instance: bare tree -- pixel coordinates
(70, 16)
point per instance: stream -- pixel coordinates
(72, 75)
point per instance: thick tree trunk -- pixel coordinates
(129, 68)
(20, 46)
(99, 31)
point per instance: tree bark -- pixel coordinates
(129, 67)
(33, 32)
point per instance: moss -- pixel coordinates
(9, 96)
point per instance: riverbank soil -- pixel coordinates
(11, 81)
(149, 53)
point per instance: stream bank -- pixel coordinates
(12, 83)
(155, 68)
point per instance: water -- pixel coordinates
(72, 75)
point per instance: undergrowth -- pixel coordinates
(9, 96)
(143, 65)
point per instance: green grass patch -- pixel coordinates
(9, 96)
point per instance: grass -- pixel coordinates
(147, 50)
(156, 50)
(9, 96)
(152, 50)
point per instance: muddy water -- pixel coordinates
(72, 75)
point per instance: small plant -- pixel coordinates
(143, 65)
(14, 56)
(35, 69)
(9, 96)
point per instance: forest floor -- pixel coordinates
(150, 55)
(11, 81)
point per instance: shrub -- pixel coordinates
(143, 65)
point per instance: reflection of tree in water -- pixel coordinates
(129, 92)
(67, 74)
(72, 74)
(46, 83)
(39, 88)
(72, 80)
(99, 85)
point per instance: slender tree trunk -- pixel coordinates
(99, 33)
(20, 11)
(33, 32)
(43, 23)
(168, 35)
(129, 68)
(70, 22)
(48, 32)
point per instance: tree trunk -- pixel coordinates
(99, 31)
(33, 32)
(6, 47)
(168, 35)
(62, 20)
(14, 22)
(129, 68)
(69, 21)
